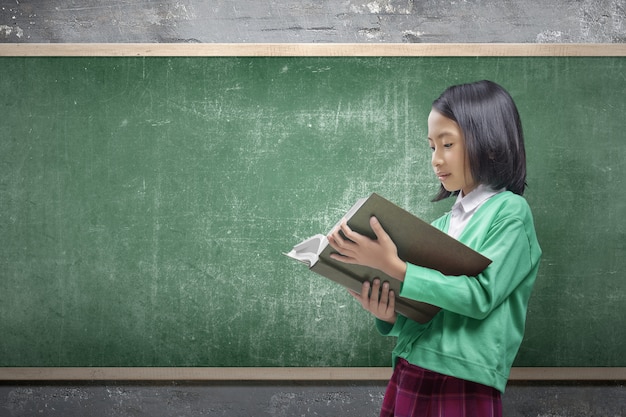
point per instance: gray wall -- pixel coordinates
(280, 400)
(241, 21)
(334, 21)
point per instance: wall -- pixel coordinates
(312, 21)
(279, 400)
(301, 21)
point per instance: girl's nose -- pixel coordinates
(436, 159)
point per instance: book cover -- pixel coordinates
(417, 241)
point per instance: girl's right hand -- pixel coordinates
(381, 303)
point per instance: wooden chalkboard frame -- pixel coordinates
(281, 374)
(305, 49)
(295, 50)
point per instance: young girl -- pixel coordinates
(458, 363)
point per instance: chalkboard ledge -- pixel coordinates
(279, 374)
(312, 49)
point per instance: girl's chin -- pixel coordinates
(449, 189)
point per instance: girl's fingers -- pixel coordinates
(349, 234)
(374, 294)
(377, 228)
(391, 305)
(381, 303)
(337, 239)
(384, 294)
(355, 294)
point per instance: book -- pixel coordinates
(417, 242)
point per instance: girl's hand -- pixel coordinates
(381, 303)
(380, 253)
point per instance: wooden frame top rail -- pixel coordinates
(309, 49)
(280, 374)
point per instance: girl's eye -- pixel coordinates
(447, 145)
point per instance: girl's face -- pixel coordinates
(449, 158)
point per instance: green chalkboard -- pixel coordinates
(145, 203)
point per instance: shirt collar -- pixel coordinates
(474, 199)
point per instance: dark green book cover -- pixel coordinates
(418, 243)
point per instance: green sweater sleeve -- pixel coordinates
(506, 240)
(388, 329)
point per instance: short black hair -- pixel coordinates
(494, 140)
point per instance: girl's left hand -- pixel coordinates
(378, 300)
(380, 253)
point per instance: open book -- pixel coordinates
(418, 243)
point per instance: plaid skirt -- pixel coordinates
(418, 392)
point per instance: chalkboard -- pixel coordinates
(145, 203)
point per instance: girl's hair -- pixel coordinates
(494, 140)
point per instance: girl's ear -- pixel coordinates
(492, 155)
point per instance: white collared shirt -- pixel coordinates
(466, 206)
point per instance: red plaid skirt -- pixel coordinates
(418, 392)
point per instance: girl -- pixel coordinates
(458, 363)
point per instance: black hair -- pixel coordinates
(494, 141)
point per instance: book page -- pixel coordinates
(308, 251)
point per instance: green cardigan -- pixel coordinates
(478, 332)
